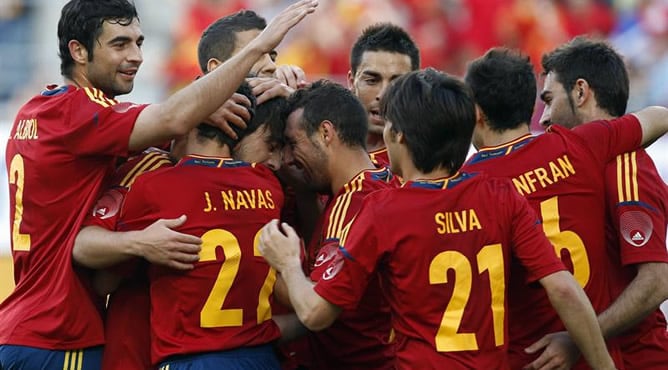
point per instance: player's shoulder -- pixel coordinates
(149, 160)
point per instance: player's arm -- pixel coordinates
(653, 122)
(194, 103)
(640, 298)
(282, 252)
(290, 326)
(578, 316)
(97, 248)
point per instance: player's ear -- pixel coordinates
(212, 64)
(78, 52)
(327, 131)
(480, 118)
(581, 91)
(351, 81)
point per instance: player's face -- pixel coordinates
(258, 148)
(266, 65)
(559, 106)
(117, 56)
(306, 153)
(375, 72)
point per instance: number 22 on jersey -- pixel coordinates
(212, 314)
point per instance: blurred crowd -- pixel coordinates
(448, 32)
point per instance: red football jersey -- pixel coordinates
(380, 158)
(561, 174)
(62, 147)
(636, 233)
(225, 302)
(359, 337)
(127, 329)
(444, 258)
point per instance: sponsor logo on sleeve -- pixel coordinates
(636, 227)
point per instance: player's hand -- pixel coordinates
(291, 75)
(281, 249)
(559, 352)
(161, 245)
(233, 112)
(267, 88)
(279, 26)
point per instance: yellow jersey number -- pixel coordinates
(20, 242)
(212, 315)
(490, 259)
(565, 240)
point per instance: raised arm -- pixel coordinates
(196, 102)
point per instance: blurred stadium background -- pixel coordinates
(448, 32)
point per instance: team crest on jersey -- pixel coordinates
(636, 227)
(108, 205)
(326, 254)
(333, 268)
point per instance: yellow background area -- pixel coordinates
(6, 276)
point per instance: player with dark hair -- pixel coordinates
(586, 80)
(443, 255)
(561, 174)
(326, 129)
(381, 53)
(62, 148)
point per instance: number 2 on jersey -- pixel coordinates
(212, 315)
(489, 258)
(21, 242)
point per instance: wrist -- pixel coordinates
(130, 244)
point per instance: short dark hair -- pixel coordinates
(327, 100)
(436, 114)
(82, 20)
(384, 37)
(270, 113)
(599, 64)
(219, 39)
(206, 131)
(504, 86)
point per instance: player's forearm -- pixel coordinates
(641, 297)
(97, 248)
(579, 318)
(290, 326)
(654, 123)
(191, 105)
(313, 311)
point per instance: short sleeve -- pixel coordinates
(607, 139)
(97, 125)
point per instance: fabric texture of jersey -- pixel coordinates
(635, 234)
(444, 258)
(225, 301)
(62, 147)
(561, 174)
(380, 158)
(358, 337)
(127, 328)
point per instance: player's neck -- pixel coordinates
(374, 142)
(495, 138)
(209, 148)
(411, 173)
(347, 164)
(595, 115)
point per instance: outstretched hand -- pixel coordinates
(234, 112)
(161, 245)
(279, 26)
(559, 352)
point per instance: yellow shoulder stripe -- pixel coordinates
(627, 177)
